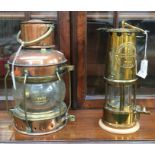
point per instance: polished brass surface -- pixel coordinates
(33, 29)
(120, 81)
(120, 109)
(40, 79)
(34, 116)
(120, 119)
(121, 30)
(121, 55)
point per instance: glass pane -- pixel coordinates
(97, 45)
(115, 98)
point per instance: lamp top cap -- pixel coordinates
(122, 30)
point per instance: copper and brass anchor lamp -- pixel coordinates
(121, 113)
(39, 90)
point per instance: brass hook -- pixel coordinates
(125, 24)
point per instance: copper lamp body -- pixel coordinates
(40, 89)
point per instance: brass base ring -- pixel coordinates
(119, 131)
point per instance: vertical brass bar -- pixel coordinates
(59, 78)
(117, 67)
(69, 69)
(122, 97)
(126, 55)
(25, 107)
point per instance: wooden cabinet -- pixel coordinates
(85, 47)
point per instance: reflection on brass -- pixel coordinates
(121, 55)
(40, 79)
(120, 81)
(35, 116)
(120, 109)
(120, 119)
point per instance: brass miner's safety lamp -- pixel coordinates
(38, 88)
(121, 114)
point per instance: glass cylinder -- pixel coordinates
(120, 97)
(120, 105)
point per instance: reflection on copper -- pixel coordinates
(29, 57)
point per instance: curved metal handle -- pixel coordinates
(69, 69)
(124, 24)
(26, 43)
(58, 75)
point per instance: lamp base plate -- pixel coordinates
(119, 131)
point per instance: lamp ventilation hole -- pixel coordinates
(35, 128)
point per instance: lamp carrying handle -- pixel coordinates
(69, 68)
(28, 43)
(124, 24)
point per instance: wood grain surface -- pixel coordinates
(84, 130)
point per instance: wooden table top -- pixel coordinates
(84, 130)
